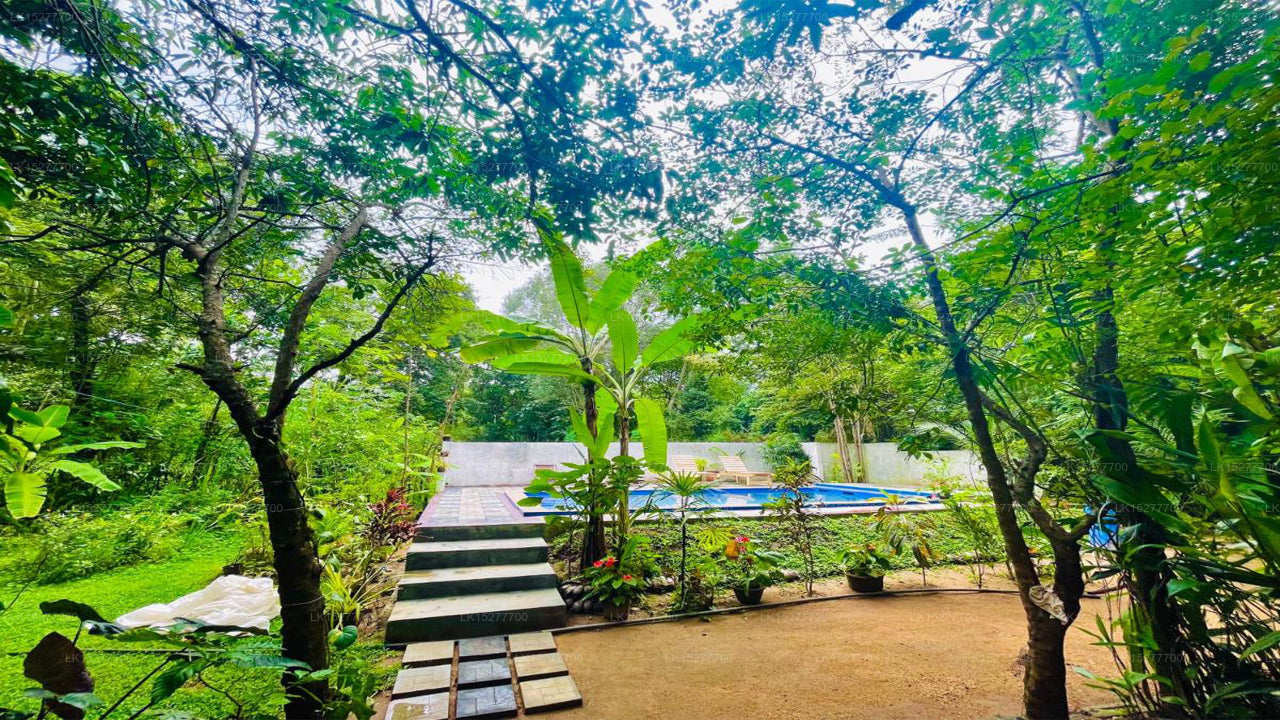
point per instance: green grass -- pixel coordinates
(116, 592)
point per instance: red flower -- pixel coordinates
(597, 563)
(626, 577)
(610, 562)
(742, 539)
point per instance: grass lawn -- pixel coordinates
(114, 593)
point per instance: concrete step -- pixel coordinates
(418, 584)
(462, 553)
(467, 616)
(480, 532)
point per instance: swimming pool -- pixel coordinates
(820, 496)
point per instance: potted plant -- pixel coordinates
(864, 568)
(750, 569)
(617, 582)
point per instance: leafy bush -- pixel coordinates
(76, 545)
(783, 447)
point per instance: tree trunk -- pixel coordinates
(859, 452)
(594, 543)
(842, 450)
(1148, 576)
(304, 628)
(622, 523)
(1044, 689)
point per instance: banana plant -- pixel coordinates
(538, 349)
(27, 459)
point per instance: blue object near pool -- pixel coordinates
(818, 495)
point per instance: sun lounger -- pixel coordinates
(736, 469)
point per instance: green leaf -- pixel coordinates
(671, 343)
(174, 677)
(25, 416)
(493, 347)
(653, 430)
(87, 473)
(24, 494)
(549, 368)
(80, 700)
(614, 292)
(54, 416)
(571, 287)
(6, 318)
(1248, 397)
(541, 356)
(625, 339)
(494, 323)
(37, 434)
(1266, 641)
(341, 639)
(104, 445)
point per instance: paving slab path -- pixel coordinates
(478, 567)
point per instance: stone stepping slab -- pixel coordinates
(466, 616)
(442, 582)
(463, 553)
(547, 694)
(488, 677)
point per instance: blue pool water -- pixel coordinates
(819, 495)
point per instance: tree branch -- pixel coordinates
(276, 410)
(292, 334)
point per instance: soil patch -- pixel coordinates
(910, 657)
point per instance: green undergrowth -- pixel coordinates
(189, 567)
(833, 535)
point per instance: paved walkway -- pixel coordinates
(470, 506)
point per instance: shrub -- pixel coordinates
(781, 448)
(67, 546)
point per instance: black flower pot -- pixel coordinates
(749, 596)
(615, 613)
(865, 584)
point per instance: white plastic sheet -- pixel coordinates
(229, 600)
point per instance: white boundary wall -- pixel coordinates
(511, 463)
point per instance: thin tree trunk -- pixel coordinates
(622, 523)
(205, 462)
(860, 452)
(82, 361)
(1146, 568)
(1044, 683)
(842, 450)
(594, 543)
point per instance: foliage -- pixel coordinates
(793, 515)
(970, 509)
(864, 561)
(620, 580)
(750, 566)
(28, 458)
(392, 521)
(780, 449)
(906, 531)
(689, 490)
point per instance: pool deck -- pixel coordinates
(480, 505)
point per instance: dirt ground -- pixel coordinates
(911, 657)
